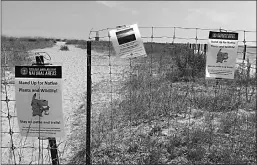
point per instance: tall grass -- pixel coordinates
(75, 42)
(169, 114)
(16, 49)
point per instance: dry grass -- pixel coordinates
(171, 115)
(16, 49)
(167, 113)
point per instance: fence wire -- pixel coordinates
(157, 109)
(162, 110)
(16, 149)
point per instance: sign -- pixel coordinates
(127, 42)
(38, 92)
(221, 55)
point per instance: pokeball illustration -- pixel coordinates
(39, 106)
(222, 56)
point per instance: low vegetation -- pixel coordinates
(76, 42)
(15, 51)
(64, 48)
(167, 113)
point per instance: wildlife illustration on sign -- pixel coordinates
(39, 101)
(39, 106)
(222, 57)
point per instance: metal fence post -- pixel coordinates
(53, 151)
(51, 140)
(89, 83)
(256, 111)
(97, 36)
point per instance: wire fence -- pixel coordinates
(16, 149)
(160, 109)
(149, 110)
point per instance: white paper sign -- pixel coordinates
(38, 92)
(221, 55)
(127, 42)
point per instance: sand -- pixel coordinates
(74, 85)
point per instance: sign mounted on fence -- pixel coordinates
(221, 55)
(38, 95)
(127, 42)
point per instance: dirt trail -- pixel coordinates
(73, 88)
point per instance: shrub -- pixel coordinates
(32, 40)
(188, 63)
(227, 122)
(64, 48)
(243, 74)
(220, 155)
(196, 154)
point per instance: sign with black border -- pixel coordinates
(38, 93)
(221, 55)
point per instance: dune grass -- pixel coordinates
(16, 49)
(75, 42)
(169, 114)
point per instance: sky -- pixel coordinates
(75, 19)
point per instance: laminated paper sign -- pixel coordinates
(38, 92)
(127, 42)
(221, 55)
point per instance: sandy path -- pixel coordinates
(74, 86)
